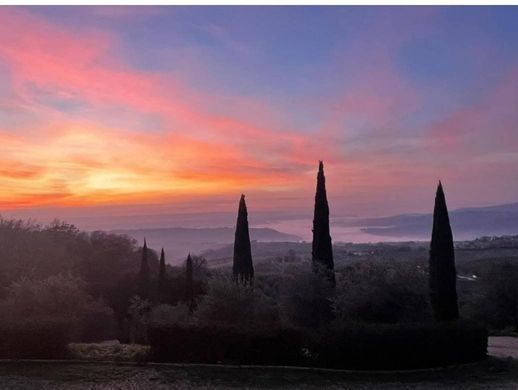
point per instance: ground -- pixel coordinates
(498, 371)
(490, 374)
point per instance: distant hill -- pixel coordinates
(467, 223)
(178, 242)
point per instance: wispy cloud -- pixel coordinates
(81, 125)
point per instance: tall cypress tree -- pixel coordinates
(189, 283)
(443, 276)
(322, 248)
(143, 275)
(162, 282)
(243, 268)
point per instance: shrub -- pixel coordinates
(139, 312)
(97, 323)
(398, 346)
(170, 314)
(46, 338)
(306, 299)
(230, 304)
(231, 345)
(498, 307)
(386, 292)
(356, 346)
(63, 299)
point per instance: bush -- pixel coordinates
(386, 292)
(45, 339)
(97, 323)
(497, 306)
(356, 346)
(306, 299)
(230, 304)
(62, 299)
(399, 346)
(229, 345)
(170, 314)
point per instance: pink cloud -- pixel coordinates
(219, 144)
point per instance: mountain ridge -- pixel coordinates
(467, 223)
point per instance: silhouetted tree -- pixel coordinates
(162, 282)
(143, 275)
(189, 283)
(443, 276)
(243, 268)
(322, 249)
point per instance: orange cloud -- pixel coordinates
(91, 162)
(139, 136)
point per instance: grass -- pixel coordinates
(489, 374)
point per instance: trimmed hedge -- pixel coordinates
(356, 346)
(399, 346)
(46, 339)
(225, 345)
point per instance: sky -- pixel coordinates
(116, 110)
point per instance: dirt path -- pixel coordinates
(503, 347)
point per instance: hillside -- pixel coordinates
(178, 242)
(467, 223)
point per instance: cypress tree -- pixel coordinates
(189, 283)
(322, 249)
(443, 276)
(162, 283)
(243, 268)
(143, 275)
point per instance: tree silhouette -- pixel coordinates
(243, 268)
(322, 249)
(189, 283)
(162, 282)
(143, 275)
(443, 276)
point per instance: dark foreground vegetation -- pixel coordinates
(370, 306)
(484, 375)
(353, 346)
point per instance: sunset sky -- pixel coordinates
(185, 108)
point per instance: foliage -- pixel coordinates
(139, 312)
(398, 346)
(228, 302)
(107, 263)
(189, 283)
(387, 292)
(170, 314)
(243, 268)
(98, 323)
(497, 303)
(61, 298)
(26, 338)
(143, 278)
(225, 344)
(162, 295)
(443, 276)
(380, 291)
(360, 346)
(306, 298)
(322, 249)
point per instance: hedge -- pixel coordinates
(399, 346)
(25, 339)
(224, 345)
(355, 346)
